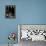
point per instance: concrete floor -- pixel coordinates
(7, 45)
(32, 43)
(28, 43)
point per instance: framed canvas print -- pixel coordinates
(10, 11)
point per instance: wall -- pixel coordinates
(27, 12)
